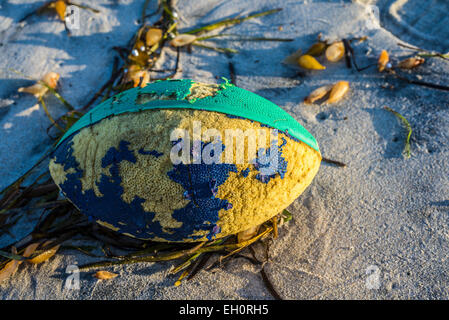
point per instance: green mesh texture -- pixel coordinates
(174, 94)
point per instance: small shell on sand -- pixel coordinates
(411, 63)
(317, 94)
(45, 255)
(338, 91)
(29, 250)
(60, 7)
(10, 268)
(38, 89)
(335, 51)
(308, 62)
(383, 60)
(153, 36)
(105, 275)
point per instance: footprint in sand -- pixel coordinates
(421, 23)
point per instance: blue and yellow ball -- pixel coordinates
(114, 164)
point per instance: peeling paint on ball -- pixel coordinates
(114, 164)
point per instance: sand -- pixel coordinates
(375, 229)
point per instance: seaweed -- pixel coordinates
(407, 126)
(229, 22)
(337, 163)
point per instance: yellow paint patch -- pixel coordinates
(58, 173)
(148, 179)
(107, 225)
(128, 234)
(200, 90)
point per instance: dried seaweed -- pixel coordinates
(199, 265)
(418, 82)
(177, 254)
(426, 53)
(217, 49)
(44, 106)
(229, 22)
(350, 55)
(237, 37)
(337, 163)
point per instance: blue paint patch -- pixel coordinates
(199, 180)
(215, 230)
(231, 116)
(151, 153)
(267, 164)
(284, 142)
(291, 137)
(245, 172)
(114, 156)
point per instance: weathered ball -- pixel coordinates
(122, 164)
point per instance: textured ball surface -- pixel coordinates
(118, 171)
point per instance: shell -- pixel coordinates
(51, 79)
(105, 275)
(308, 62)
(317, 94)
(411, 63)
(338, 91)
(182, 40)
(383, 60)
(10, 268)
(38, 89)
(29, 250)
(60, 7)
(335, 51)
(45, 255)
(115, 164)
(316, 49)
(153, 36)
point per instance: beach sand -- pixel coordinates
(375, 229)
